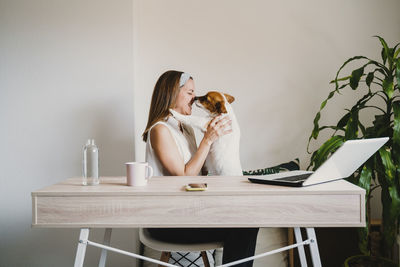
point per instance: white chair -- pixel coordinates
(166, 248)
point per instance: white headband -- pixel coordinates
(184, 78)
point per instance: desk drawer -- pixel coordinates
(199, 211)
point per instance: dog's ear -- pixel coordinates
(229, 98)
(220, 108)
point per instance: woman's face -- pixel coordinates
(185, 98)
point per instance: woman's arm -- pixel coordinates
(167, 151)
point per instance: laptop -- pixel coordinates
(343, 163)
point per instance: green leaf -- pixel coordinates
(326, 100)
(396, 53)
(342, 86)
(323, 104)
(369, 79)
(330, 146)
(381, 126)
(365, 182)
(390, 168)
(341, 79)
(361, 103)
(355, 77)
(316, 126)
(388, 86)
(390, 198)
(365, 178)
(331, 127)
(316, 129)
(396, 132)
(344, 64)
(352, 126)
(382, 72)
(383, 55)
(398, 71)
(350, 119)
(391, 53)
(343, 121)
(390, 212)
(386, 50)
(383, 69)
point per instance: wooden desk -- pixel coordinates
(228, 202)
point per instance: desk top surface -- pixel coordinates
(174, 185)
(163, 202)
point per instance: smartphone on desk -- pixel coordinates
(196, 187)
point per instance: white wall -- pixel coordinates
(66, 74)
(275, 57)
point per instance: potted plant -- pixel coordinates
(380, 81)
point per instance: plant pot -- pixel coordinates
(368, 261)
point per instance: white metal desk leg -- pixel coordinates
(302, 254)
(314, 247)
(81, 250)
(107, 238)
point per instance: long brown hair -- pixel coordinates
(164, 97)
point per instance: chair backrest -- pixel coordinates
(159, 245)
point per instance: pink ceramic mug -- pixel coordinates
(137, 173)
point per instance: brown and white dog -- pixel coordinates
(224, 157)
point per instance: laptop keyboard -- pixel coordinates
(294, 178)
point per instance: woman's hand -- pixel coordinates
(167, 151)
(218, 127)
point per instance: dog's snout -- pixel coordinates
(197, 99)
(200, 98)
(193, 99)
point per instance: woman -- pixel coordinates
(171, 150)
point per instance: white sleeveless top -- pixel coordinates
(185, 141)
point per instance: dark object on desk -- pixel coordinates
(294, 180)
(293, 165)
(287, 166)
